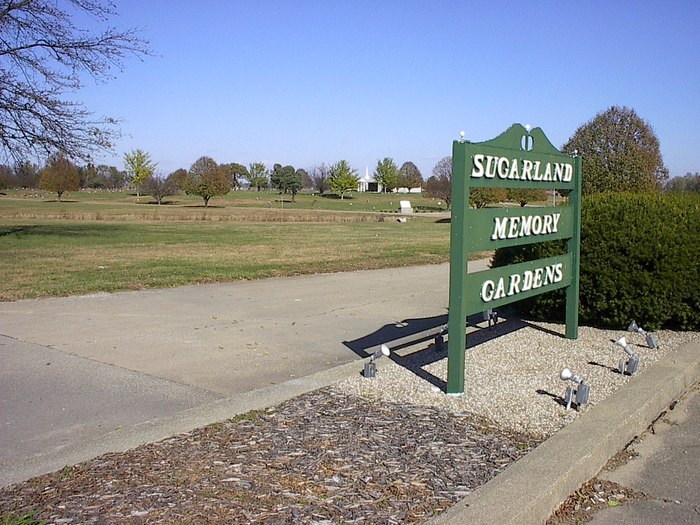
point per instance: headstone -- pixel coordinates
(405, 206)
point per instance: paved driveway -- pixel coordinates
(78, 368)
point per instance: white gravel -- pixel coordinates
(512, 373)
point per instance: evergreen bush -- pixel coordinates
(640, 259)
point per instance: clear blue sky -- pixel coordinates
(305, 82)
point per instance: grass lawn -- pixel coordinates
(109, 241)
(60, 257)
(114, 203)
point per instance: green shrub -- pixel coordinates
(640, 259)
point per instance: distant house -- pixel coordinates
(366, 183)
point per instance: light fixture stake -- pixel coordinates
(630, 366)
(370, 369)
(581, 393)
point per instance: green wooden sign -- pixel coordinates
(518, 158)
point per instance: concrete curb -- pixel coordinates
(528, 491)
(184, 421)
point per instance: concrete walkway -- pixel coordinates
(83, 375)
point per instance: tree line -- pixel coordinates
(205, 177)
(620, 153)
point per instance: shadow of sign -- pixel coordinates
(414, 342)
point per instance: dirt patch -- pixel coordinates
(593, 496)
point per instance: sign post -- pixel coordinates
(518, 158)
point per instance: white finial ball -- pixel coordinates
(461, 134)
(565, 374)
(528, 127)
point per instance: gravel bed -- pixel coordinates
(512, 373)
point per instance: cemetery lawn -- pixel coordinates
(105, 241)
(68, 257)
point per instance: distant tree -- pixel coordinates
(286, 179)
(306, 182)
(319, 177)
(275, 175)
(26, 175)
(258, 176)
(410, 176)
(481, 197)
(159, 187)
(439, 184)
(101, 176)
(88, 176)
(115, 179)
(5, 177)
(524, 195)
(291, 181)
(342, 178)
(620, 153)
(235, 172)
(387, 174)
(139, 167)
(689, 183)
(207, 179)
(60, 175)
(45, 55)
(178, 178)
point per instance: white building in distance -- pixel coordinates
(366, 183)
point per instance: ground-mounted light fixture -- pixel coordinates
(629, 366)
(651, 338)
(580, 393)
(440, 338)
(491, 316)
(370, 368)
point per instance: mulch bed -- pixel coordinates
(321, 458)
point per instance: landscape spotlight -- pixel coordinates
(440, 339)
(581, 392)
(628, 367)
(370, 367)
(651, 338)
(491, 316)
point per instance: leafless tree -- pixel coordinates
(44, 56)
(159, 187)
(439, 184)
(319, 177)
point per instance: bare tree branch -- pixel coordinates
(43, 57)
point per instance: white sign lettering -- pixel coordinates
(524, 226)
(489, 166)
(521, 282)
